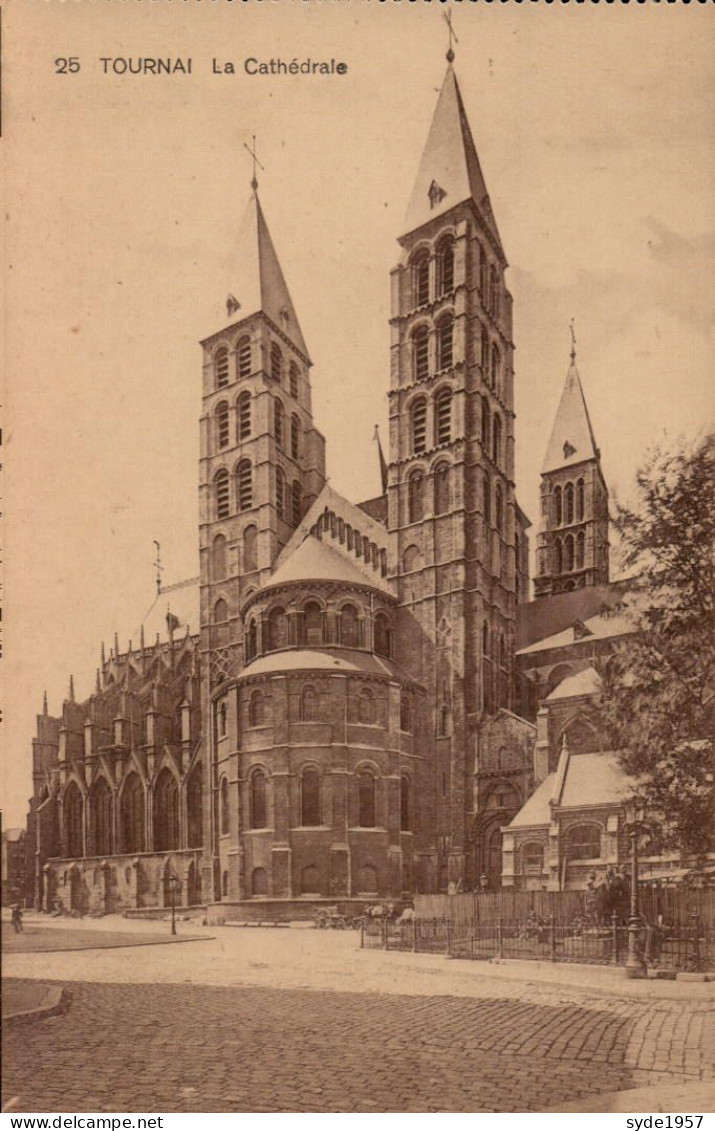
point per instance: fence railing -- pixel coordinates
(683, 947)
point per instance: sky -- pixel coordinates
(123, 199)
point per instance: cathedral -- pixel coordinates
(353, 701)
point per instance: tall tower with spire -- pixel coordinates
(572, 545)
(262, 460)
(452, 517)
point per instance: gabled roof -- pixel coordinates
(536, 810)
(253, 276)
(586, 682)
(587, 780)
(314, 560)
(449, 172)
(599, 627)
(572, 440)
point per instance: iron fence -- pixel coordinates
(685, 946)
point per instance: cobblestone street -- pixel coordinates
(302, 1021)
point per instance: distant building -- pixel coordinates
(13, 866)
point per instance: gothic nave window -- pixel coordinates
(243, 352)
(222, 424)
(420, 353)
(443, 417)
(166, 812)
(194, 815)
(445, 342)
(131, 815)
(244, 416)
(100, 803)
(221, 493)
(221, 367)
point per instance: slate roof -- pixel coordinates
(536, 810)
(586, 682)
(342, 660)
(589, 779)
(450, 163)
(572, 440)
(598, 627)
(315, 560)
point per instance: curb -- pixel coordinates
(56, 1000)
(113, 946)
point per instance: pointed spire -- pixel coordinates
(98, 684)
(254, 280)
(572, 440)
(103, 655)
(44, 703)
(116, 645)
(449, 171)
(70, 694)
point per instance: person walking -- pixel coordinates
(17, 918)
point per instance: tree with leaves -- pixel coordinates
(657, 703)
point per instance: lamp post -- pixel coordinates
(635, 964)
(173, 885)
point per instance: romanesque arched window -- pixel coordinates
(411, 559)
(558, 506)
(310, 815)
(222, 429)
(405, 803)
(221, 367)
(420, 353)
(256, 710)
(418, 425)
(443, 417)
(294, 380)
(420, 278)
(218, 558)
(101, 823)
(485, 426)
(244, 416)
(259, 881)
(383, 636)
(220, 611)
(294, 436)
(310, 880)
(244, 485)
(580, 500)
(131, 815)
(405, 713)
(258, 800)
(415, 490)
(243, 358)
(445, 266)
(277, 629)
(580, 550)
(441, 488)
(281, 490)
(366, 799)
(568, 503)
(445, 342)
(250, 545)
(221, 494)
(366, 707)
(312, 623)
(309, 705)
(496, 438)
(224, 807)
(222, 719)
(166, 812)
(194, 815)
(349, 626)
(252, 640)
(296, 501)
(278, 422)
(499, 508)
(276, 369)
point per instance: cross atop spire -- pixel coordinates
(573, 342)
(447, 16)
(256, 162)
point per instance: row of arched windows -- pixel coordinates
(289, 499)
(444, 347)
(311, 800)
(287, 434)
(569, 503)
(309, 627)
(243, 488)
(222, 416)
(491, 362)
(219, 553)
(570, 553)
(244, 365)
(310, 709)
(444, 272)
(132, 826)
(442, 421)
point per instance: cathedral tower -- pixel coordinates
(572, 546)
(452, 512)
(262, 459)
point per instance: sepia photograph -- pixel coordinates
(358, 560)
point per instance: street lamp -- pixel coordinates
(635, 964)
(173, 885)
